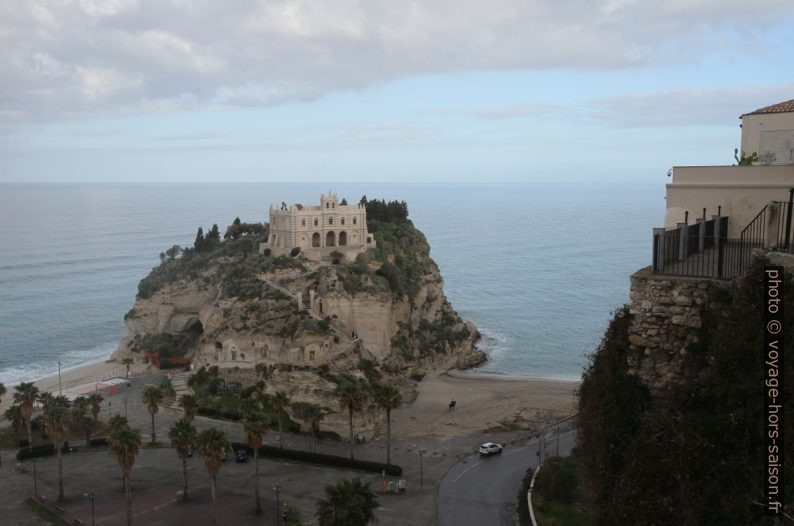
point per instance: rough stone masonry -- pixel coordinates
(666, 319)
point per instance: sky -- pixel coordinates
(438, 91)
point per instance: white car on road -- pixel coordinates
(489, 448)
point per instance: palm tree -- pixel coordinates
(45, 399)
(255, 429)
(25, 395)
(83, 422)
(81, 403)
(117, 422)
(280, 401)
(388, 397)
(183, 437)
(351, 397)
(312, 414)
(152, 396)
(347, 503)
(128, 361)
(14, 415)
(125, 443)
(95, 401)
(212, 444)
(58, 420)
(189, 404)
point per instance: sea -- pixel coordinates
(538, 268)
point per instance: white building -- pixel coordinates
(319, 230)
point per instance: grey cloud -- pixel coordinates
(72, 57)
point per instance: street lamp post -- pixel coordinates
(60, 390)
(276, 487)
(86, 495)
(35, 482)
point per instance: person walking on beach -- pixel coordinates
(452, 405)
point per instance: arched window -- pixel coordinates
(303, 222)
(316, 239)
(343, 220)
(330, 220)
(315, 221)
(342, 239)
(354, 220)
(330, 239)
(326, 204)
(311, 356)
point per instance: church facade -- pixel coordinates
(319, 230)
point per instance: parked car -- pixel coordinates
(489, 448)
(242, 456)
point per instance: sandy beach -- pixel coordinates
(483, 402)
(89, 374)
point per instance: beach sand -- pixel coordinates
(73, 378)
(483, 402)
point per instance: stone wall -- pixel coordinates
(665, 320)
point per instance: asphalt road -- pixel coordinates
(483, 491)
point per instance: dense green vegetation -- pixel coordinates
(238, 253)
(693, 453)
(556, 495)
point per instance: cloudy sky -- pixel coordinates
(348, 91)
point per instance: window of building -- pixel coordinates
(354, 220)
(303, 222)
(326, 205)
(333, 205)
(343, 220)
(330, 220)
(315, 221)
(369, 239)
(311, 356)
(234, 356)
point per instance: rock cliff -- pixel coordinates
(300, 325)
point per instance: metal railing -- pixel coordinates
(704, 250)
(721, 257)
(770, 228)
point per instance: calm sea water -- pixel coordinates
(537, 267)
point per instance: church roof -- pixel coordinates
(780, 107)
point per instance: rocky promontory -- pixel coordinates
(298, 326)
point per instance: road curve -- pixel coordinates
(483, 491)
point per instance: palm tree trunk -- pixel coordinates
(214, 504)
(30, 431)
(154, 438)
(388, 436)
(128, 494)
(313, 445)
(350, 426)
(256, 481)
(184, 475)
(61, 496)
